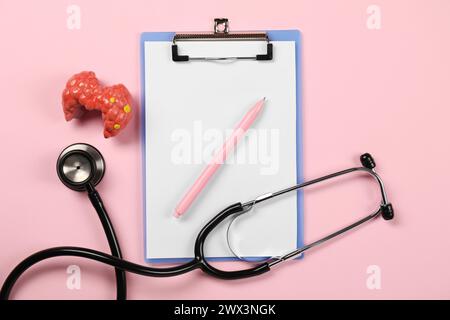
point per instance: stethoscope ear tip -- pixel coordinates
(387, 211)
(367, 161)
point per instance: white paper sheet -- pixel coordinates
(201, 102)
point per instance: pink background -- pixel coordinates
(383, 91)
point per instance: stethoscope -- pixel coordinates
(81, 167)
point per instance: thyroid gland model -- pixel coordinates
(83, 92)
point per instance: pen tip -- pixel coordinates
(177, 214)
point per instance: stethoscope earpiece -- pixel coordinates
(367, 161)
(80, 165)
(387, 210)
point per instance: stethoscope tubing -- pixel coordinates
(91, 254)
(198, 262)
(113, 242)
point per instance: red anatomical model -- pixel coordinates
(84, 92)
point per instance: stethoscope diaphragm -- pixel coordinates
(80, 164)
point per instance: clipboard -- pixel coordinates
(180, 57)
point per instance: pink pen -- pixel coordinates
(219, 158)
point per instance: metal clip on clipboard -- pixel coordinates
(221, 33)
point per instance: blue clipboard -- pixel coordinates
(274, 35)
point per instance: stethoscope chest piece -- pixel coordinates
(80, 164)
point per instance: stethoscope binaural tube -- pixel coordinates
(385, 208)
(94, 161)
